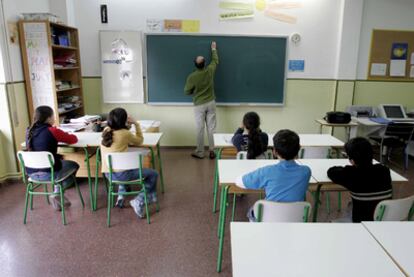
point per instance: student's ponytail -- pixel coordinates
(107, 137)
(42, 114)
(255, 147)
(117, 120)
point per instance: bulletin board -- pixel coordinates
(391, 56)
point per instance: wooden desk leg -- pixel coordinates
(160, 167)
(224, 191)
(216, 179)
(316, 206)
(88, 167)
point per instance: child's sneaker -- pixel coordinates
(138, 209)
(153, 198)
(120, 202)
(55, 200)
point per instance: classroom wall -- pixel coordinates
(318, 23)
(305, 101)
(382, 14)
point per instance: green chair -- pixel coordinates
(269, 211)
(123, 161)
(43, 160)
(395, 210)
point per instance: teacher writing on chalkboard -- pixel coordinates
(200, 85)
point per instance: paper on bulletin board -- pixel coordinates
(378, 69)
(412, 58)
(399, 51)
(412, 71)
(190, 26)
(397, 68)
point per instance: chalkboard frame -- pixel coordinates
(276, 104)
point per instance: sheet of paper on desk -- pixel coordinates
(85, 119)
(72, 127)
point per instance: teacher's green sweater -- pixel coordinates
(200, 83)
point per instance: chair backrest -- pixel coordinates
(36, 159)
(314, 152)
(395, 210)
(403, 131)
(268, 155)
(269, 211)
(122, 161)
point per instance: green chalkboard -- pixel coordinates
(251, 70)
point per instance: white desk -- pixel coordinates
(397, 239)
(306, 140)
(92, 139)
(319, 168)
(307, 249)
(229, 170)
(223, 141)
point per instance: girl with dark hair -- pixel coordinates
(250, 138)
(116, 138)
(43, 136)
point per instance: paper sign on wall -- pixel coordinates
(297, 65)
(190, 26)
(397, 68)
(155, 25)
(412, 71)
(378, 69)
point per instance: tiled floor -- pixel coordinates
(180, 241)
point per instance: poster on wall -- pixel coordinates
(121, 66)
(40, 72)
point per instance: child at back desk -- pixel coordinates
(368, 183)
(116, 138)
(250, 138)
(43, 136)
(285, 181)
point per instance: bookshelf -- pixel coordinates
(52, 68)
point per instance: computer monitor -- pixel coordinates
(392, 111)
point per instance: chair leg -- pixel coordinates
(31, 199)
(26, 204)
(234, 207)
(328, 203)
(79, 192)
(62, 206)
(146, 207)
(339, 201)
(108, 221)
(46, 195)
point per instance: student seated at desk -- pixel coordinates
(285, 181)
(116, 138)
(250, 138)
(43, 136)
(368, 183)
